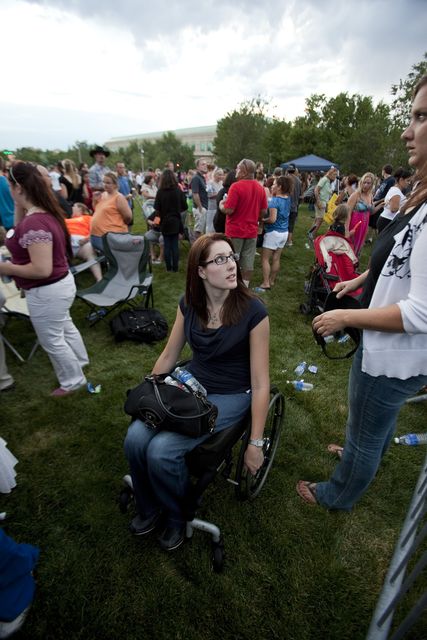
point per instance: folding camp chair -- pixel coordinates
(14, 306)
(129, 275)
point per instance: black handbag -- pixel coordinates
(167, 407)
(140, 325)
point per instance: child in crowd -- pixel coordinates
(79, 229)
(340, 221)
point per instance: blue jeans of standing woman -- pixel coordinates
(157, 464)
(171, 252)
(374, 404)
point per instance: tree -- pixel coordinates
(403, 90)
(346, 129)
(240, 134)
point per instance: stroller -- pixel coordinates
(335, 262)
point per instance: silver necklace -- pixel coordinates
(213, 318)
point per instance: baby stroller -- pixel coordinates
(335, 262)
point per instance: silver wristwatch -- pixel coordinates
(257, 443)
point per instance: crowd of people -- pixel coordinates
(220, 315)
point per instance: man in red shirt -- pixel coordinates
(245, 205)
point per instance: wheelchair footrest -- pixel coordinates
(203, 525)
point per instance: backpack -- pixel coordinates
(140, 325)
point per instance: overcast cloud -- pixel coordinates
(91, 70)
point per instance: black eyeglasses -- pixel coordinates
(221, 259)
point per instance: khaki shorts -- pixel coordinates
(246, 248)
(319, 213)
(199, 220)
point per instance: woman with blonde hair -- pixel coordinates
(361, 206)
(72, 181)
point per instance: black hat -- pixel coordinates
(354, 335)
(291, 168)
(99, 149)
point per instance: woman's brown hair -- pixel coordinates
(237, 301)
(419, 193)
(27, 176)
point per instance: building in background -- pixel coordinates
(200, 139)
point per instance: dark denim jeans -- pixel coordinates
(171, 252)
(156, 459)
(374, 404)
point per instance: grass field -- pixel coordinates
(292, 571)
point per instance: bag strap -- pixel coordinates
(154, 380)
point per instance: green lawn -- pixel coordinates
(292, 571)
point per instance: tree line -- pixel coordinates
(349, 130)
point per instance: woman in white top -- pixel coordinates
(394, 198)
(391, 362)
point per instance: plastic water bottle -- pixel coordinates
(300, 368)
(412, 439)
(187, 378)
(300, 385)
(175, 383)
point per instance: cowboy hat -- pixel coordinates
(99, 149)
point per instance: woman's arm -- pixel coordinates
(124, 208)
(272, 216)
(388, 319)
(347, 286)
(169, 356)
(39, 267)
(394, 203)
(259, 340)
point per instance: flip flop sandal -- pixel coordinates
(336, 449)
(307, 491)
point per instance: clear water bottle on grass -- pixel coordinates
(300, 385)
(300, 368)
(187, 378)
(412, 439)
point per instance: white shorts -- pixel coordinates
(275, 240)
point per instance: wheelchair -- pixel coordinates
(215, 456)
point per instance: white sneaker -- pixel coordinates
(8, 628)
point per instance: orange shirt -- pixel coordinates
(79, 226)
(107, 217)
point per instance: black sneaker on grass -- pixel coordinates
(142, 526)
(171, 538)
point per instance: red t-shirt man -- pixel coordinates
(245, 205)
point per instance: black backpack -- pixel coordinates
(140, 325)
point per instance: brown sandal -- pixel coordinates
(307, 491)
(336, 449)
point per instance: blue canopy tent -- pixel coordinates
(310, 163)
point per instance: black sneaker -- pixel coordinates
(142, 526)
(171, 538)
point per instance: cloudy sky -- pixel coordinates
(94, 69)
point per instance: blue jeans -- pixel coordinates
(374, 404)
(156, 459)
(171, 252)
(97, 244)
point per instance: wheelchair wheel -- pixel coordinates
(305, 309)
(247, 485)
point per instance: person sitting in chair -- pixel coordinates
(227, 328)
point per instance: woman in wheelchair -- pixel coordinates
(227, 328)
